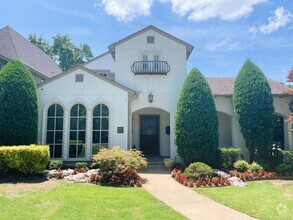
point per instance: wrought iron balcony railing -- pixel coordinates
(150, 68)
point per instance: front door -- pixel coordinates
(149, 134)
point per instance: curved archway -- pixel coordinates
(225, 130)
(151, 131)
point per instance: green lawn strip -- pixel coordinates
(84, 201)
(262, 200)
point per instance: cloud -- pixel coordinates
(126, 10)
(281, 18)
(207, 9)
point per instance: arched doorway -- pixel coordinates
(151, 131)
(279, 137)
(225, 131)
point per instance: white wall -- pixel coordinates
(91, 92)
(103, 62)
(165, 88)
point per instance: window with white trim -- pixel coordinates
(54, 132)
(77, 131)
(100, 128)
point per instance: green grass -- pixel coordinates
(81, 201)
(262, 200)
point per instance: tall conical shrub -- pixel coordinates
(196, 122)
(18, 105)
(254, 109)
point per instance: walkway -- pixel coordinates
(185, 200)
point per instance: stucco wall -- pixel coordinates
(66, 92)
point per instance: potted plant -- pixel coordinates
(168, 162)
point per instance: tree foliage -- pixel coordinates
(62, 50)
(19, 107)
(196, 122)
(254, 109)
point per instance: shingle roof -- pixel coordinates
(225, 86)
(15, 46)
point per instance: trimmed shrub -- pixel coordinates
(119, 166)
(24, 159)
(19, 106)
(241, 166)
(287, 155)
(55, 164)
(79, 165)
(117, 160)
(254, 109)
(196, 122)
(284, 168)
(255, 167)
(228, 156)
(198, 169)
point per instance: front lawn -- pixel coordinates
(260, 199)
(60, 200)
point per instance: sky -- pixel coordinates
(224, 33)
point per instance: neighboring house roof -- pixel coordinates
(225, 86)
(15, 46)
(130, 91)
(188, 46)
(96, 58)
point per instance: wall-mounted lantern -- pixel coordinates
(151, 97)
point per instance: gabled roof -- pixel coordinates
(188, 46)
(225, 86)
(96, 58)
(15, 46)
(129, 91)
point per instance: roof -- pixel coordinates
(129, 91)
(188, 46)
(96, 58)
(15, 46)
(225, 86)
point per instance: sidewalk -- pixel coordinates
(185, 200)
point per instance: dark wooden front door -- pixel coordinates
(150, 134)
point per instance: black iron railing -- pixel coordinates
(150, 68)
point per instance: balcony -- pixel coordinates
(150, 68)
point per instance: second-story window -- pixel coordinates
(156, 63)
(145, 63)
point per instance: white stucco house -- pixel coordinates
(127, 97)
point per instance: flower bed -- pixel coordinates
(249, 175)
(178, 175)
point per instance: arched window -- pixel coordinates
(77, 131)
(100, 127)
(55, 130)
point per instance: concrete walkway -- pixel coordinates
(185, 200)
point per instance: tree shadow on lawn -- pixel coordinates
(17, 178)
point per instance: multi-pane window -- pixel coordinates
(77, 131)
(145, 63)
(100, 127)
(156, 63)
(55, 130)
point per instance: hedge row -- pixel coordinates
(24, 159)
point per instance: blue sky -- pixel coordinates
(225, 33)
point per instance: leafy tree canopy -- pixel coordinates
(62, 50)
(254, 109)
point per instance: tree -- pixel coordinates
(62, 50)
(196, 121)
(290, 92)
(40, 43)
(19, 107)
(254, 109)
